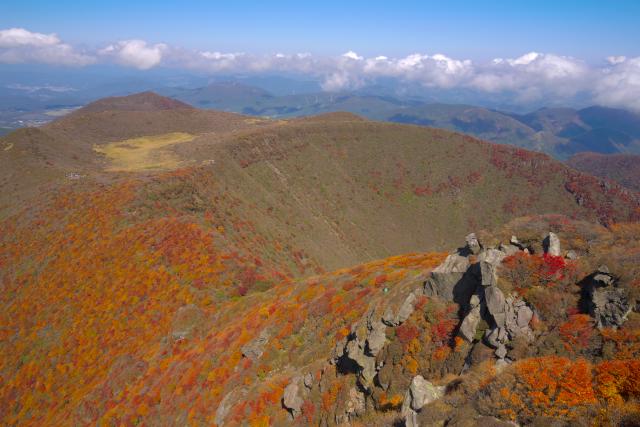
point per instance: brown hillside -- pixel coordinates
(623, 168)
(144, 101)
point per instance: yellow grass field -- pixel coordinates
(144, 153)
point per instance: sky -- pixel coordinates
(532, 48)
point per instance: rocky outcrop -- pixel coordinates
(551, 244)
(291, 400)
(470, 322)
(354, 407)
(420, 393)
(449, 278)
(608, 304)
(254, 349)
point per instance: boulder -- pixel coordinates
(406, 309)
(571, 255)
(376, 337)
(551, 244)
(420, 393)
(366, 364)
(608, 304)
(501, 351)
(448, 279)
(495, 301)
(254, 349)
(473, 245)
(291, 400)
(470, 324)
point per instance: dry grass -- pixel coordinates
(145, 153)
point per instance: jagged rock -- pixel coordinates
(473, 245)
(470, 323)
(495, 301)
(489, 273)
(187, 322)
(254, 349)
(524, 316)
(501, 351)
(291, 400)
(608, 304)
(420, 393)
(308, 380)
(551, 244)
(492, 256)
(377, 336)
(356, 403)
(496, 336)
(474, 301)
(444, 278)
(406, 309)
(367, 364)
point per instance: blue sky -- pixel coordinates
(471, 29)
(533, 51)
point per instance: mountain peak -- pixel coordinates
(143, 101)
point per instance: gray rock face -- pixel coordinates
(447, 276)
(501, 351)
(377, 336)
(255, 348)
(366, 364)
(496, 304)
(470, 324)
(489, 262)
(291, 400)
(406, 309)
(473, 245)
(572, 255)
(420, 393)
(552, 244)
(608, 304)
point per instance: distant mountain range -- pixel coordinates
(560, 132)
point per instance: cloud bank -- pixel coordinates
(532, 76)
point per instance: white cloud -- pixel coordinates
(531, 76)
(135, 53)
(619, 86)
(18, 45)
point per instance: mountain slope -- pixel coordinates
(623, 168)
(197, 290)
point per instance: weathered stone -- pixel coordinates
(551, 244)
(473, 245)
(489, 273)
(420, 393)
(492, 256)
(495, 304)
(377, 336)
(366, 364)
(470, 324)
(474, 301)
(448, 276)
(572, 255)
(525, 314)
(501, 351)
(406, 309)
(356, 403)
(608, 304)
(308, 380)
(291, 400)
(254, 349)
